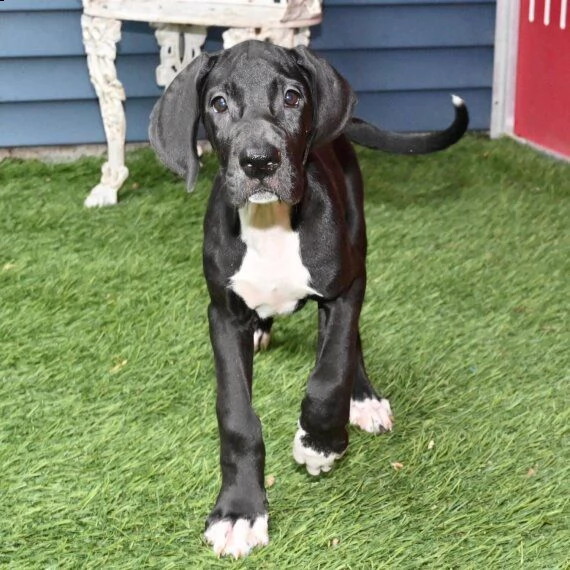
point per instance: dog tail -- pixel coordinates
(368, 135)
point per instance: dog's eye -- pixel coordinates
(219, 104)
(292, 98)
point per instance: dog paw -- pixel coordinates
(261, 340)
(315, 461)
(100, 196)
(237, 538)
(371, 415)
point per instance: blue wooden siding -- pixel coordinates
(403, 57)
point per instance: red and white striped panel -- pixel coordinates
(542, 105)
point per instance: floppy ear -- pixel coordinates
(175, 118)
(333, 98)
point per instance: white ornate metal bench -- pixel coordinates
(181, 27)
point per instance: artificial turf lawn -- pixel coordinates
(108, 438)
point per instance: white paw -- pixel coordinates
(316, 462)
(371, 415)
(261, 340)
(237, 538)
(101, 195)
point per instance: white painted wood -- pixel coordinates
(505, 67)
(180, 32)
(531, 10)
(563, 14)
(286, 37)
(172, 39)
(233, 13)
(100, 36)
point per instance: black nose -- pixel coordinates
(259, 162)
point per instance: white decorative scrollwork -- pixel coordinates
(100, 36)
(301, 10)
(285, 37)
(179, 45)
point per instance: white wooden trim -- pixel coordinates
(232, 13)
(505, 68)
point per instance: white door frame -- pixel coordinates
(505, 68)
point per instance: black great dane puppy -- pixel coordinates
(284, 224)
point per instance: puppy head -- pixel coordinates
(264, 109)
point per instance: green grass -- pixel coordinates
(108, 439)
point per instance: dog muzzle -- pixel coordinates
(263, 198)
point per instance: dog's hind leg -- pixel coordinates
(262, 333)
(368, 410)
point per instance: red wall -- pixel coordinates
(542, 106)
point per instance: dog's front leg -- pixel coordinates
(238, 521)
(322, 436)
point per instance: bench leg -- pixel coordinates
(100, 36)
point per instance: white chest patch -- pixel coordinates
(272, 277)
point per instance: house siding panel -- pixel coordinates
(403, 58)
(39, 5)
(58, 34)
(421, 111)
(66, 78)
(405, 26)
(67, 122)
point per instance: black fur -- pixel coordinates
(301, 155)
